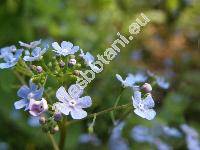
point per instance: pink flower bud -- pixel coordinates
(147, 87)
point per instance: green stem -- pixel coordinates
(63, 130)
(102, 112)
(115, 105)
(55, 146)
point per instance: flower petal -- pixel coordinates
(78, 113)
(149, 102)
(20, 104)
(66, 45)
(23, 91)
(56, 46)
(62, 95)
(136, 98)
(75, 91)
(84, 102)
(140, 113)
(5, 65)
(62, 107)
(150, 114)
(74, 49)
(38, 94)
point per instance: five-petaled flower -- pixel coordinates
(143, 108)
(72, 104)
(36, 108)
(26, 94)
(36, 54)
(65, 49)
(10, 56)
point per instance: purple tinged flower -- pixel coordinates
(143, 108)
(72, 62)
(10, 58)
(89, 59)
(39, 69)
(26, 94)
(116, 141)
(131, 79)
(35, 55)
(142, 134)
(65, 49)
(192, 137)
(89, 138)
(36, 108)
(72, 103)
(57, 116)
(31, 45)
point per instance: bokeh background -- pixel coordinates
(169, 46)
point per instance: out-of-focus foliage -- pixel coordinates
(169, 45)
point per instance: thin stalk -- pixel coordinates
(63, 130)
(55, 146)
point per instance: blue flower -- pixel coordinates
(65, 49)
(72, 103)
(26, 93)
(131, 79)
(36, 54)
(116, 141)
(143, 108)
(173, 132)
(33, 44)
(10, 58)
(192, 137)
(161, 145)
(142, 134)
(89, 138)
(161, 81)
(5, 50)
(89, 59)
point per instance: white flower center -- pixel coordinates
(72, 103)
(30, 95)
(141, 106)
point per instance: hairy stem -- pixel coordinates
(55, 146)
(102, 112)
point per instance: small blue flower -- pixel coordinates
(10, 58)
(65, 49)
(26, 93)
(131, 79)
(172, 132)
(33, 44)
(192, 137)
(89, 138)
(161, 81)
(143, 108)
(36, 54)
(142, 134)
(161, 145)
(5, 50)
(116, 141)
(72, 104)
(89, 59)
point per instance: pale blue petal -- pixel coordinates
(36, 52)
(56, 46)
(38, 94)
(63, 108)
(140, 113)
(62, 95)
(20, 104)
(148, 102)
(84, 102)
(5, 65)
(23, 91)
(150, 114)
(66, 45)
(78, 113)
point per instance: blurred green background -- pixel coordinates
(169, 45)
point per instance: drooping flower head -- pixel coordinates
(65, 49)
(10, 57)
(131, 79)
(36, 54)
(31, 45)
(36, 108)
(143, 107)
(26, 94)
(72, 103)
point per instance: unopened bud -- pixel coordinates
(39, 69)
(147, 87)
(76, 72)
(72, 62)
(42, 120)
(54, 130)
(57, 116)
(62, 63)
(33, 67)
